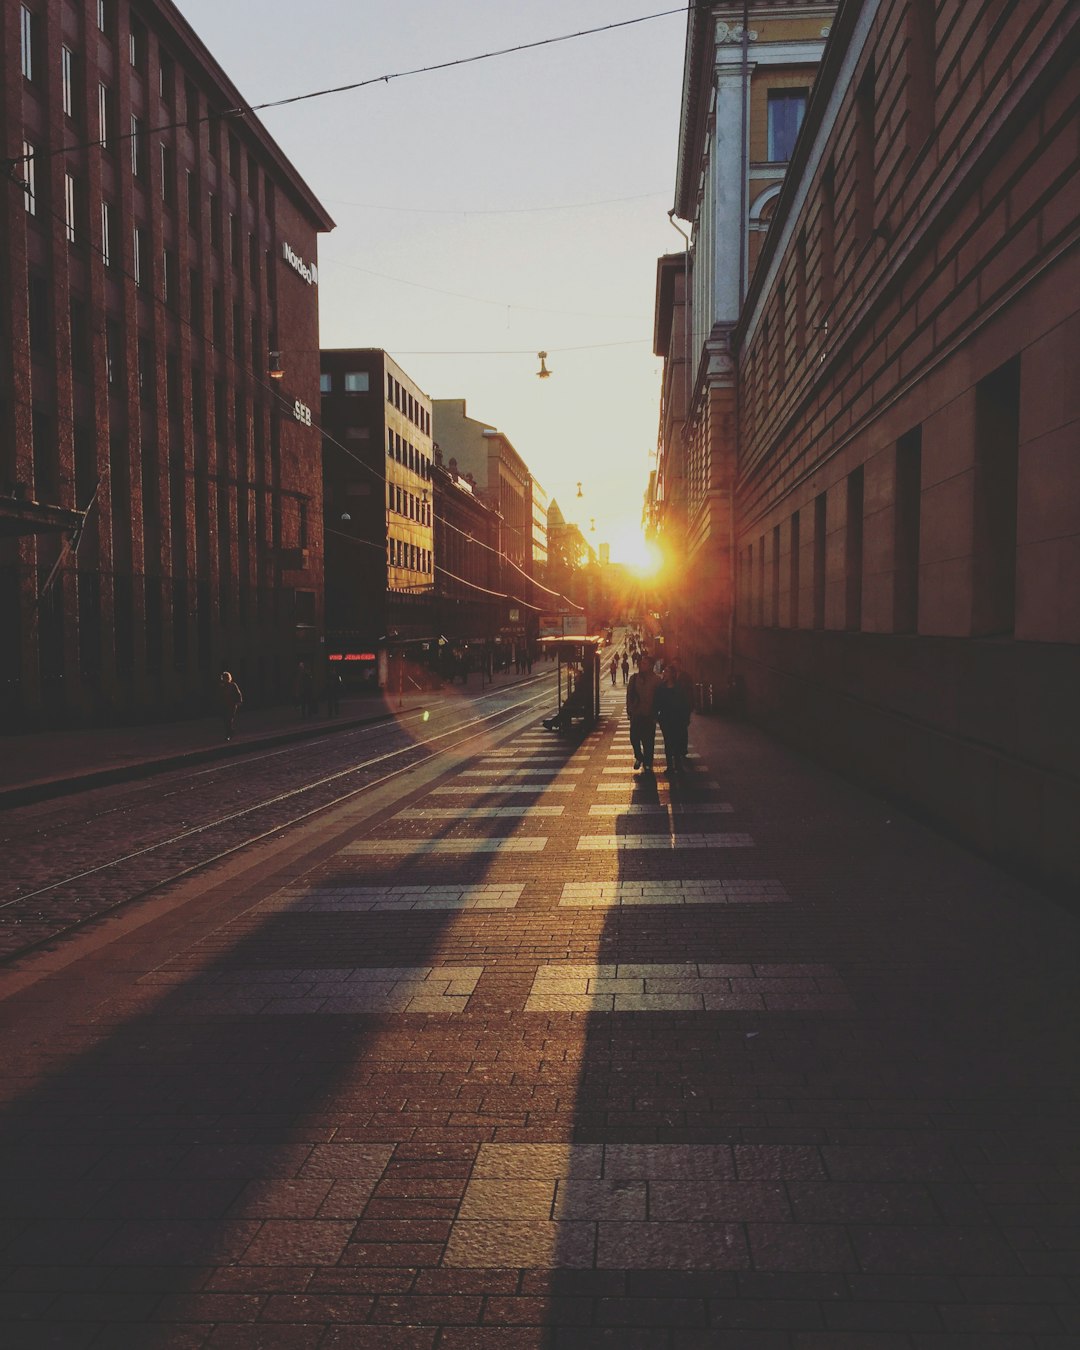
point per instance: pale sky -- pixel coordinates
(450, 181)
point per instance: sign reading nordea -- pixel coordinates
(308, 271)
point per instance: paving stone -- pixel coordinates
(484, 1243)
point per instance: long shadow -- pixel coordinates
(255, 1130)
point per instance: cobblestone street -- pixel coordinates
(540, 1052)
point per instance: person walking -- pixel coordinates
(230, 698)
(641, 710)
(673, 706)
(625, 667)
(614, 669)
(305, 690)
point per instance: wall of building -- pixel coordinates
(908, 499)
(142, 285)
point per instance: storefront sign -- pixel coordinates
(308, 271)
(302, 413)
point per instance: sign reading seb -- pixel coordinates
(308, 271)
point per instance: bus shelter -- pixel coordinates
(578, 681)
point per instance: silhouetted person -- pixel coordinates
(673, 707)
(333, 692)
(641, 709)
(305, 690)
(230, 698)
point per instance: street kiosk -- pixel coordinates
(578, 681)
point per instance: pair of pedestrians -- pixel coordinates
(650, 699)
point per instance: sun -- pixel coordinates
(629, 546)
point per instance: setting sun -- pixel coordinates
(629, 546)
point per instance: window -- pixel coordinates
(921, 71)
(356, 382)
(71, 208)
(907, 529)
(168, 175)
(828, 239)
(105, 112)
(326, 383)
(793, 580)
(29, 179)
(139, 256)
(107, 234)
(67, 80)
(80, 336)
(103, 15)
(865, 104)
(234, 240)
(166, 78)
(192, 197)
(800, 293)
(114, 352)
(820, 523)
(136, 139)
(170, 285)
(215, 221)
(137, 45)
(27, 34)
(853, 552)
(786, 109)
(997, 454)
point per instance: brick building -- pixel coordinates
(377, 461)
(746, 83)
(143, 281)
(906, 483)
(468, 601)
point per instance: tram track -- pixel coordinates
(63, 905)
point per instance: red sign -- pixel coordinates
(351, 656)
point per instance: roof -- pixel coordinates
(184, 35)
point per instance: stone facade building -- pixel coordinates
(905, 483)
(154, 248)
(377, 466)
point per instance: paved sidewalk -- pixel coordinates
(44, 764)
(790, 1073)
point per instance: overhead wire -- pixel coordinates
(243, 109)
(275, 394)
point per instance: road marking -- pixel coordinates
(676, 808)
(375, 847)
(604, 894)
(482, 812)
(619, 842)
(371, 899)
(687, 987)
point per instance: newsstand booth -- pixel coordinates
(578, 681)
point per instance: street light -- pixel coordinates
(274, 368)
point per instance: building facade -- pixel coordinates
(505, 485)
(153, 250)
(906, 488)
(468, 602)
(377, 492)
(745, 91)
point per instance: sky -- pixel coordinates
(507, 206)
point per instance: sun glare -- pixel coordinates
(629, 546)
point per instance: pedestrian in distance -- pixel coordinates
(625, 667)
(230, 698)
(305, 690)
(673, 707)
(614, 668)
(641, 710)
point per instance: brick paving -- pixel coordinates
(424, 1089)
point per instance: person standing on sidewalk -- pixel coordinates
(625, 667)
(641, 710)
(673, 706)
(333, 692)
(614, 669)
(231, 698)
(305, 690)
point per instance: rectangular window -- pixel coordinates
(27, 34)
(357, 382)
(136, 144)
(865, 106)
(137, 46)
(827, 235)
(107, 234)
(67, 80)
(192, 197)
(853, 552)
(215, 221)
(166, 78)
(786, 109)
(103, 15)
(29, 179)
(170, 284)
(820, 521)
(168, 175)
(793, 579)
(997, 455)
(71, 207)
(114, 352)
(326, 383)
(921, 71)
(139, 256)
(104, 108)
(907, 529)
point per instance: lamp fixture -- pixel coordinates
(579, 491)
(543, 373)
(274, 368)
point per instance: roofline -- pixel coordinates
(187, 36)
(668, 267)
